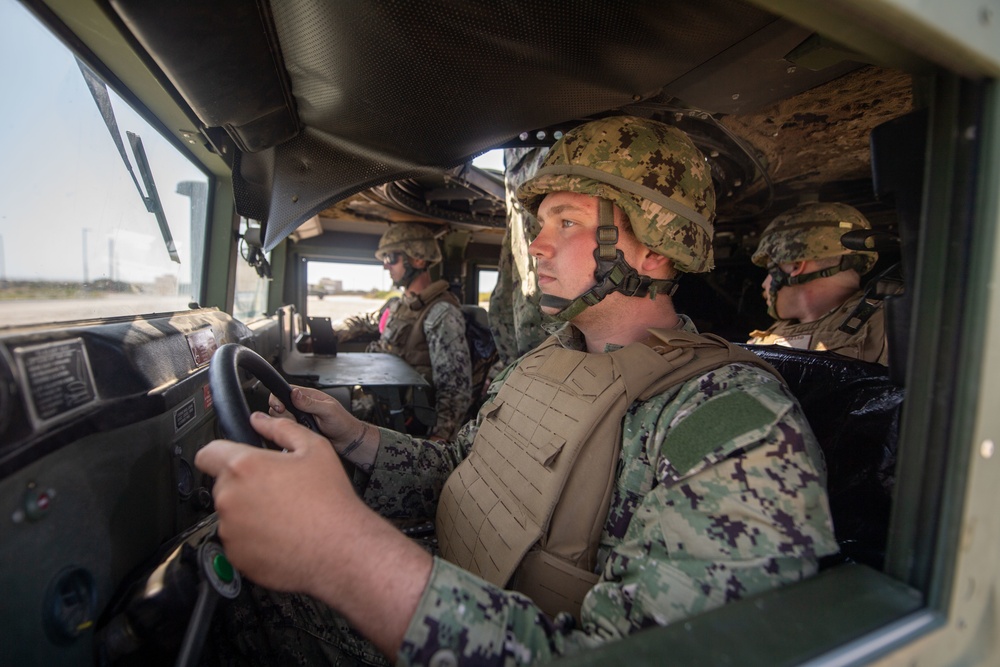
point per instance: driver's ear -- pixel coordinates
(798, 268)
(418, 263)
(653, 263)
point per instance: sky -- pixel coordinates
(68, 208)
(62, 174)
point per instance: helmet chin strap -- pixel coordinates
(613, 273)
(410, 274)
(780, 279)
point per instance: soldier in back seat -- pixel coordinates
(426, 326)
(628, 472)
(813, 283)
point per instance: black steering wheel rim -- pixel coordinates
(227, 392)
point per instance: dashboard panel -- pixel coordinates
(99, 425)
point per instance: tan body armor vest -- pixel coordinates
(541, 470)
(866, 343)
(404, 333)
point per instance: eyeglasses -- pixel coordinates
(391, 258)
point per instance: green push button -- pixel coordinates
(223, 568)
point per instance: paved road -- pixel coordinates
(338, 308)
(19, 312)
(26, 311)
(41, 311)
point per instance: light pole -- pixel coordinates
(86, 278)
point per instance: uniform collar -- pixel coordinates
(569, 337)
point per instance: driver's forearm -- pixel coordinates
(374, 579)
(361, 450)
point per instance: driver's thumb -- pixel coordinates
(301, 399)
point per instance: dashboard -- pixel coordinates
(99, 425)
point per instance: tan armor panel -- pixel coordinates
(867, 342)
(541, 470)
(405, 331)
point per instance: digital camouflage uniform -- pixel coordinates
(748, 513)
(450, 369)
(439, 351)
(812, 232)
(679, 538)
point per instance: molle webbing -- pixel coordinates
(852, 330)
(542, 468)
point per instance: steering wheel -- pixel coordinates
(216, 577)
(196, 571)
(227, 392)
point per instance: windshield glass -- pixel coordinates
(76, 240)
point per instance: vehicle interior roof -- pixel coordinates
(325, 103)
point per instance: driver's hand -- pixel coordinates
(332, 419)
(273, 506)
(292, 522)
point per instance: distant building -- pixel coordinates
(165, 285)
(325, 287)
(331, 286)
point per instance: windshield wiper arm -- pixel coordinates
(152, 202)
(151, 198)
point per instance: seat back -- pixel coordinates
(854, 410)
(482, 352)
(324, 340)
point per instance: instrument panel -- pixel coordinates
(99, 425)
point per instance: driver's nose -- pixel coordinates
(540, 246)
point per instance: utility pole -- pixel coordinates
(86, 277)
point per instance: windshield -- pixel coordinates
(76, 239)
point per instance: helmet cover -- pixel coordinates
(651, 170)
(810, 232)
(412, 239)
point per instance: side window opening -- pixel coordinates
(486, 280)
(351, 294)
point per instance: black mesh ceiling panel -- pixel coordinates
(386, 89)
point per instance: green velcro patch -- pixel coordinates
(717, 421)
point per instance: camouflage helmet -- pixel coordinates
(412, 239)
(813, 231)
(651, 170)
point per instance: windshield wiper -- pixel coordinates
(151, 199)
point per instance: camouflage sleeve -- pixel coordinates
(363, 327)
(736, 503)
(451, 367)
(408, 473)
(706, 511)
